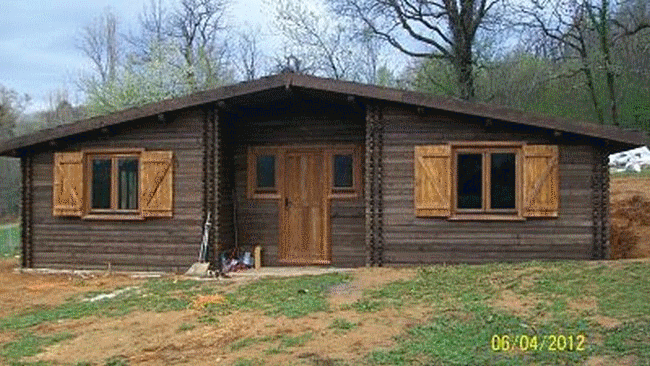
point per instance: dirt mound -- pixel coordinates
(635, 209)
(630, 215)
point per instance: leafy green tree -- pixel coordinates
(178, 52)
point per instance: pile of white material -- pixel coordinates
(631, 160)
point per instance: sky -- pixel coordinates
(38, 53)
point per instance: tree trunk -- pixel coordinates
(589, 76)
(465, 72)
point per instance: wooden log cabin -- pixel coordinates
(316, 172)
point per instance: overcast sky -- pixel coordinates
(37, 40)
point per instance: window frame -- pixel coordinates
(112, 213)
(253, 191)
(353, 192)
(486, 149)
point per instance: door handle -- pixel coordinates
(286, 202)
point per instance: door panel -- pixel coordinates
(304, 209)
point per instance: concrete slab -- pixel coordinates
(287, 272)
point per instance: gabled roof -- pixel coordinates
(623, 139)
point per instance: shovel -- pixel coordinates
(200, 268)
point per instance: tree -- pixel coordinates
(434, 29)
(249, 58)
(12, 106)
(328, 46)
(588, 29)
(195, 27)
(175, 52)
(100, 43)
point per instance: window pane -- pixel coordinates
(127, 170)
(470, 167)
(101, 185)
(343, 171)
(266, 171)
(502, 179)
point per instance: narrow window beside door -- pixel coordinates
(263, 172)
(266, 172)
(343, 176)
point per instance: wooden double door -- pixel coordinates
(304, 209)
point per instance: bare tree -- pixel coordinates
(249, 58)
(566, 26)
(153, 21)
(99, 42)
(442, 29)
(316, 38)
(579, 27)
(331, 46)
(153, 31)
(195, 27)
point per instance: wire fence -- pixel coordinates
(9, 240)
(9, 187)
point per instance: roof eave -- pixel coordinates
(616, 138)
(148, 110)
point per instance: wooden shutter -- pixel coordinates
(68, 192)
(541, 181)
(432, 181)
(156, 183)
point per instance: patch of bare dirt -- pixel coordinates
(366, 279)
(24, 291)
(178, 338)
(515, 304)
(606, 322)
(158, 338)
(610, 361)
(583, 305)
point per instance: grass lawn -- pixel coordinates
(640, 175)
(535, 313)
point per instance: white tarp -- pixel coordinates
(632, 160)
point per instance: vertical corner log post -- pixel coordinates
(205, 143)
(600, 204)
(210, 152)
(215, 184)
(26, 163)
(373, 186)
(369, 198)
(379, 193)
(605, 217)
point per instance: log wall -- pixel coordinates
(151, 244)
(411, 240)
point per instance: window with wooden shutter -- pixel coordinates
(541, 181)
(68, 187)
(113, 184)
(156, 183)
(491, 180)
(433, 181)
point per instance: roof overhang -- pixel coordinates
(268, 88)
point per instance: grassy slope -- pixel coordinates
(465, 315)
(607, 304)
